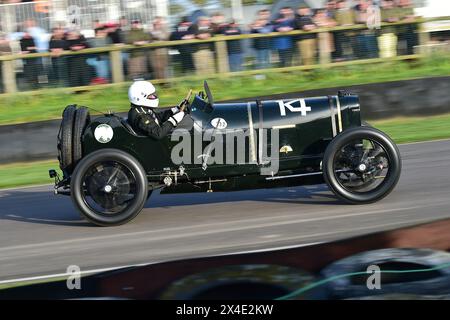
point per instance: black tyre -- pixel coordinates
(82, 119)
(362, 165)
(109, 187)
(64, 144)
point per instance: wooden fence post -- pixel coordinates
(9, 76)
(424, 39)
(222, 57)
(324, 45)
(117, 72)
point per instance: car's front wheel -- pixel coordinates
(361, 165)
(109, 187)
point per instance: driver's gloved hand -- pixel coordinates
(176, 118)
(187, 108)
(177, 108)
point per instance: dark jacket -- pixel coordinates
(26, 43)
(262, 43)
(301, 22)
(147, 122)
(58, 44)
(81, 41)
(284, 42)
(180, 32)
(234, 46)
(195, 29)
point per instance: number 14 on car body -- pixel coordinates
(303, 109)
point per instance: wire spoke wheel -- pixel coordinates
(361, 165)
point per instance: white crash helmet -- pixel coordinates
(143, 94)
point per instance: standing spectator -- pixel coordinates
(326, 44)
(117, 31)
(344, 16)
(160, 56)
(97, 24)
(122, 30)
(234, 47)
(113, 32)
(389, 12)
(40, 37)
(137, 63)
(183, 32)
(264, 14)
(31, 66)
(79, 74)
(307, 44)
(387, 41)
(100, 61)
(203, 55)
(38, 34)
(57, 45)
(367, 13)
(5, 49)
(331, 8)
(262, 25)
(118, 37)
(218, 23)
(407, 33)
(284, 44)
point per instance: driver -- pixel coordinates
(143, 118)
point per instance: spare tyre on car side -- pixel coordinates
(82, 119)
(64, 145)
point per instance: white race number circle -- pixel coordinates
(103, 133)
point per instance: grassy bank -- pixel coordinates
(22, 174)
(402, 130)
(48, 104)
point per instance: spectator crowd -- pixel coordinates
(282, 50)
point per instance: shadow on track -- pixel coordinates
(315, 194)
(42, 207)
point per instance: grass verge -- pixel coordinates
(48, 104)
(402, 130)
(26, 174)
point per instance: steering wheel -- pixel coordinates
(185, 103)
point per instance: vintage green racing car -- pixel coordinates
(110, 170)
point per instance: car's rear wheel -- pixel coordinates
(109, 187)
(64, 143)
(362, 165)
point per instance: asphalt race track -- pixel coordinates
(41, 234)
